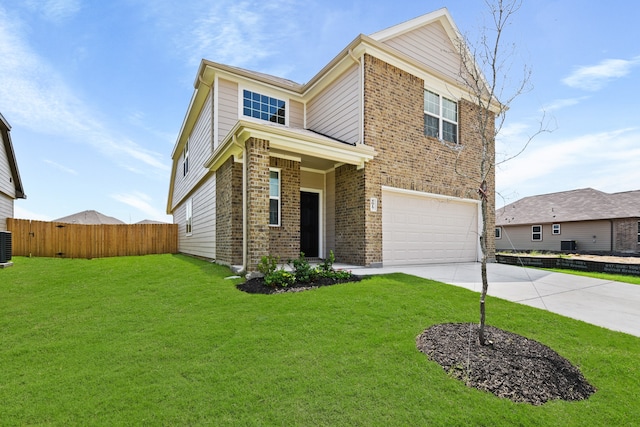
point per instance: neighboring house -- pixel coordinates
(10, 183)
(584, 220)
(88, 217)
(374, 158)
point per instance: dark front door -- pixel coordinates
(309, 223)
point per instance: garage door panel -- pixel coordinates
(418, 229)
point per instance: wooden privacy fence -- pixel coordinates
(57, 239)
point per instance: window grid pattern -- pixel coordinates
(263, 107)
(536, 233)
(274, 197)
(440, 117)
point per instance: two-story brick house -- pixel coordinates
(374, 158)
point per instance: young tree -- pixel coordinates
(487, 74)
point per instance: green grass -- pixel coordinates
(166, 340)
(634, 280)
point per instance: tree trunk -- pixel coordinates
(483, 246)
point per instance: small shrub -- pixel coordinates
(327, 263)
(268, 265)
(280, 278)
(303, 271)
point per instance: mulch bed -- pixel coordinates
(257, 285)
(512, 367)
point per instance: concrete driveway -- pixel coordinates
(609, 304)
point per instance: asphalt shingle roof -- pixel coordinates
(89, 217)
(567, 206)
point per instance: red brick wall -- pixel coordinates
(257, 201)
(229, 213)
(284, 241)
(394, 126)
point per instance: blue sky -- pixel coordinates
(96, 91)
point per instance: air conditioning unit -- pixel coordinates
(5, 246)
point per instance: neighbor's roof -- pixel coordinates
(89, 217)
(13, 165)
(576, 205)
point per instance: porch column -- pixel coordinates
(257, 201)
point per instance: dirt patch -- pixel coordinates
(513, 367)
(257, 285)
(606, 258)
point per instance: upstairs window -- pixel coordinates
(440, 117)
(536, 233)
(185, 158)
(555, 229)
(263, 107)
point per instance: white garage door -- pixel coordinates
(418, 228)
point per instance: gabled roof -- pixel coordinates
(375, 45)
(576, 205)
(88, 217)
(13, 165)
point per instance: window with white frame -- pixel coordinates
(555, 229)
(536, 233)
(498, 232)
(274, 197)
(185, 158)
(263, 107)
(189, 217)
(440, 117)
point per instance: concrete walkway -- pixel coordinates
(613, 305)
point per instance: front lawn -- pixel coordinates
(167, 340)
(634, 280)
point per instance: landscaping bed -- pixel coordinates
(258, 286)
(512, 366)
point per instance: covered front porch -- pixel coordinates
(284, 191)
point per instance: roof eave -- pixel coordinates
(13, 164)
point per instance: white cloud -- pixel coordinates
(594, 77)
(37, 97)
(54, 10)
(557, 104)
(21, 213)
(242, 33)
(606, 161)
(61, 167)
(141, 202)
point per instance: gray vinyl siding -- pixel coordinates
(296, 114)
(227, 108)
(518, 237)
(7, 185)
(199, 151)
(431, 46)
(335, 111)
(6, 210)
(202, 241)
